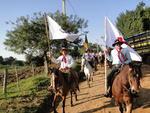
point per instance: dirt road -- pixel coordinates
(91, 100)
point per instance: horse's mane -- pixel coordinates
(124, 69)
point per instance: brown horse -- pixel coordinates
(64, 84)
(126, 83)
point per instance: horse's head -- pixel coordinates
(134, 77)
(53, 71)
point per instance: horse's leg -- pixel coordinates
(75, 93)
(88, 80)
(54, 103)
(71, 102)
(88, 83)
(129, 108)
(64, 100)
(124, 106)
(120, 108)
(92, 76)
(128, 103)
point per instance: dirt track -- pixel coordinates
(91, 100)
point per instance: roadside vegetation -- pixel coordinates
(26, 97)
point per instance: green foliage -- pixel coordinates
(24, 99)
(10, 61)
(134, 21)
(28, 35)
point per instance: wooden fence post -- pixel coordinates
(33, 70)
(16, 73)
(5, 81)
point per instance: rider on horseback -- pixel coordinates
(89, 57)
(66, 64)
(120, 56)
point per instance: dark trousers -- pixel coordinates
(111, 75)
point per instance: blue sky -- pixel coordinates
(92, 10)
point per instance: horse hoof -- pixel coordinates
(55, 112)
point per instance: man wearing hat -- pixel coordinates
(88, 56)
(119, 56)
(66, 63)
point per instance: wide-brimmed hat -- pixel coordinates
(117, 41)
(87, 49)
(64, 48)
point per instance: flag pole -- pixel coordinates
(105, 58)
(47, 34)
(48, 43)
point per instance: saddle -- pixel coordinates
(66, 71)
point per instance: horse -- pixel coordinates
(95, 62)
(88, 70)
(63, 86)
(125, 85)
(102, 59)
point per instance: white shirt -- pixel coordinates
(115, 58)
(60, 60)
(87, 56)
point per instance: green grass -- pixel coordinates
(22, 99)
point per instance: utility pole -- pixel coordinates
(64, 7)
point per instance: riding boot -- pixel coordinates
(108, 93)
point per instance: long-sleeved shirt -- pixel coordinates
(115, 58)
(87, 56)
(127, 57)
(64, 61)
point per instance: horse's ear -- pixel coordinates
(130, 69)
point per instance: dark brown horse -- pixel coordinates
(126, 83)
(64, 84)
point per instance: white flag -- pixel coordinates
(133, 54)
(56, 32)
(111, 33)
(102, 43)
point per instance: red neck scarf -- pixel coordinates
(121, 56)
(64, 59)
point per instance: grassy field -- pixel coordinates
(29, 96)
(25, 98)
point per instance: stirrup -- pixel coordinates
(108, 95)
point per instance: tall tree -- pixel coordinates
(28, 34)
(1, 60)
(134, 21)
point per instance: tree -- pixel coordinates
(19, 63)
(9, 61)
(1, 60)
(28, 34)
(134, 21)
